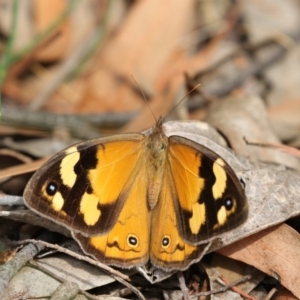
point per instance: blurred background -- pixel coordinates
(68, 72)
(77, 58)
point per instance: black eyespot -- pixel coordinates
(51, 188)
(165, 241)
(132, 240)
(228, 203)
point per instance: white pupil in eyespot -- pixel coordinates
(165, 241)
(228, 203)
(132, 240)
(51, 189)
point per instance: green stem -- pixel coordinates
(8, 49)
(40, 36)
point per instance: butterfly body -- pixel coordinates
(157, 145)
(132, 198)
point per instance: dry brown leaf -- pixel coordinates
(59, 44)
(24, 29)
(169, 84)
(45, 12)
(15, 154)
(250, 121)
(284, 294)
(275, 251)
(285, 119)
(22, 169)
(7, 255)
(142, 47)
(229, 268)
(283, 78)
(281, 147)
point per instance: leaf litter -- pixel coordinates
(78, 60)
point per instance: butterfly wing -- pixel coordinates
(85, 186)
(200, 198)
(127, 243)
(168, 250)
(209, 197)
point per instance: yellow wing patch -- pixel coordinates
(89, 209)
(198, 218)
(221, 178)
(67, 173)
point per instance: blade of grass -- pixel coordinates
(41, 35)
(4, 64)
(95, 44)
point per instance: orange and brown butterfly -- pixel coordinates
(133, 198)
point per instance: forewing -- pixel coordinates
(85, 186)
(209, 197)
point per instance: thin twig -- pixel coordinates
(11, 200)
(8, 270)
(256, 67)
(123, 279)
(224, 288)
(28, 216)
(17, 155)
(284, 148)
(237, 290)
(272, 292)
(53, 275)
(81, 125)
(22, 169)
(182, 285)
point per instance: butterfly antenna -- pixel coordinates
(195, 87)
(146, 100)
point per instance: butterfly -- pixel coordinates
(133, 198)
